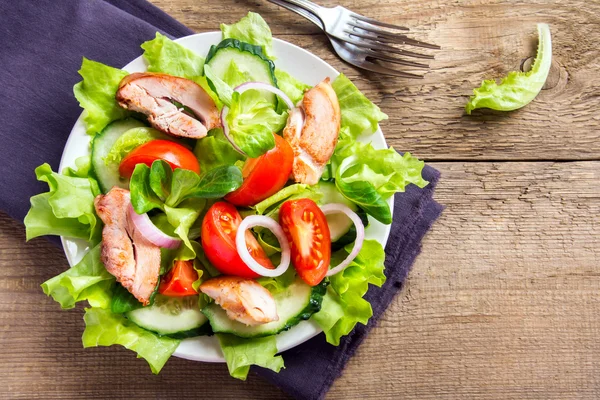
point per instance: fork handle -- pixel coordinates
(300, 11)
(308, 6)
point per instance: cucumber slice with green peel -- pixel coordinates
(108, 175)
(172, 316)
(297, 303)
(249, 58)
(339, 224)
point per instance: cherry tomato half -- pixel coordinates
(178, 281)
(305, 227)
(264, 176)
(175, 154)
(219, 228)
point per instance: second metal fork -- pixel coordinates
(362, 41)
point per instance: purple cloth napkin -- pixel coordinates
(42, 45)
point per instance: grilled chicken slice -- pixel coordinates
(151, 94)
(130, 258)
(314, 141)
(244, 300)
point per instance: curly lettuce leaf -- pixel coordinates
(343, 305)
(252, 121)
(103, 328)
(67, 209)
(241, 353)
(518, 88)
(96, 95)
(359, 115)
(215, 151)
(368, 177)
(164, 55)
(86, 280)
(251, 29)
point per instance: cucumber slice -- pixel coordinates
(108, 175)
(339, 224)
(249, 59)
(298, 302)
(173, 316)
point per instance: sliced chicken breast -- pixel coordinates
(314, 140)
(129, 257)
(151, 94)
(244, 300)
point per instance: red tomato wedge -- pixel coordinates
(305, 227)
(264, 176)
(178, 281)
(175, 154)
(219, 228)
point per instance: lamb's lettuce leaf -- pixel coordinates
(103, 328)
(67, 209)
(518, 88)
(252, 121)
(180, 194)
(241, 353)
(96, 95)
(343, 304)
(86, 280)
(251, 29)
(359, 114)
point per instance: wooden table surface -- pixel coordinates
(503, 302)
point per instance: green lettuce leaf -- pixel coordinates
(252, 122)
(518, 88)
(83, 167)
(241, 353)
(87, 280)
(96, 95)
(166, 56)
(279, 197)
(103, 328)
(132, 139)
(368, 176)
(66, 210)
(180, 194)
(222, 89)
(159, 186)
(251, 29)
(343, 305)
(215, 151)
(290, 85)
(359, 115)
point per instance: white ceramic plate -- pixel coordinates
(302, 65)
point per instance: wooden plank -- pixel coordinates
(480, 40)
(502, 303)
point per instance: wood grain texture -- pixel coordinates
(480, 40)
(502, 303)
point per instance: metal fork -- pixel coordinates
(362, 41)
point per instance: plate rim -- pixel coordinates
(188, 348)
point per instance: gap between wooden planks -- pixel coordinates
(502, 303)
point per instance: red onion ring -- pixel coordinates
(241, 89)
(240, 244)
(150, 232)
(335, 208)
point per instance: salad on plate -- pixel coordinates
(220, 196)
